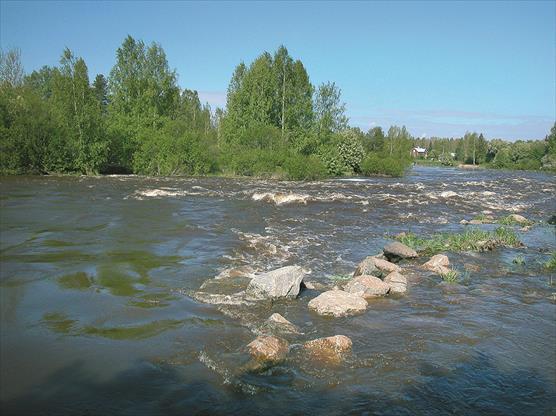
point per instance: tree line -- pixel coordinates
(137, 119)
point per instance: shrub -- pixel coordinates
(299, 167)
(375, 164)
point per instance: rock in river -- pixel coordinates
(397, 251)
(374, 266)
(397, 282)
(367, 286)
(367, 267)
(520, 219)
(330, 348)
(268, 348)
(338, 303)
(437, 261)
(277, 324)
(280, 283)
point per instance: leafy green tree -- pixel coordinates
(79, 115)
(375, 140)
(100, 89)
(329, 110)
(41, 81)
(143, 91)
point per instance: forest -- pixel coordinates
(276, 124)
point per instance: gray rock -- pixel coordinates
(367, 286)
(375, 266)
(338, 303)
(397, 282)
(385, 266)
(366, 267)
(277, 324)
(397, 251)
(280, 283)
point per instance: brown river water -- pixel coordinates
(98, 313)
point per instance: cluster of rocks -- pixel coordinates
(269, 349)
(375, 276)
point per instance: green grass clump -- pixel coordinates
(509, 220)
(551, 263)
(451, 276)
(340, 277)
(519, 260)
(470, 240)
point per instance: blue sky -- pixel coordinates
(440, 68)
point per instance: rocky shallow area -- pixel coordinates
(234, 291)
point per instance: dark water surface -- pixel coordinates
(96, 316)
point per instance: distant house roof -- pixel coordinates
(420, 149)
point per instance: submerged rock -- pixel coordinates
(374, 266)
(338, 303)
(277, 324)
(280, 283)
(397, 282)
(242, 271)
(436, 261)
(268, 348)
(235, 299)
(367, 286)
(397, 251)
(329, 349)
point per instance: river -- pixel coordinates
(97, 313)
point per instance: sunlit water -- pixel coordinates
(97, 318)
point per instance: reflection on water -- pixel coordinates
(96, 317)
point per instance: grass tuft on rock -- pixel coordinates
(468, 240)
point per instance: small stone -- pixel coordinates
(520, 219)
(396, 251)
(438, 260)
(367, 286)
(331, 349)
(268, 348)
(338, 303)
(397, 282)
